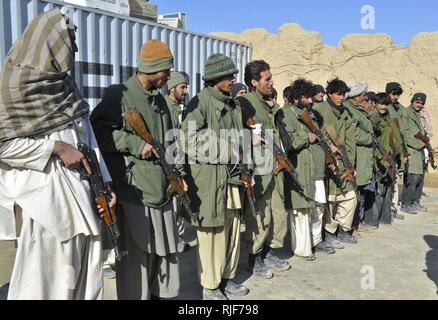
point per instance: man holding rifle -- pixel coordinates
(147, 221)
(213, 186)
(266, 234)
(414, 131)
(59, 253)
(342, 200)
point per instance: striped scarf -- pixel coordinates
(35, 88)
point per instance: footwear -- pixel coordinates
(182, 245)
(312, 257)
(274, 262)
(233, 288)
(258, 268)
(346, 237)
(408, 209)
(398, 216)
(108, 273)
(332, 241)
(323, 246)
(419, 207)
(215, 294)
(356, 233)
(363, 227)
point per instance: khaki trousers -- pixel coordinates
(269, 227)
(218, 251)
(340, 212)
(305, 228)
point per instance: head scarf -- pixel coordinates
(37, 95)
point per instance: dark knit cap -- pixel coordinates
(317, 88)
(217, 66)
(236, 88)
(371, 95)
(419, 96)
(394, 87)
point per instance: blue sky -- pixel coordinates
(333, 19)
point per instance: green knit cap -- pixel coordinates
(176, 78)
(218, 65)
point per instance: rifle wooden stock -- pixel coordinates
(420, 136)
(135, 120)
(305, 117)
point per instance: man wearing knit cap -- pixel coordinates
(147, 219)
(396, 110)
(342, 200)
(238, 89)
(175, 99)
(264, 232)
(356, 98)
(414, 182)
(212, 193)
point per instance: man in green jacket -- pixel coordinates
(304, 220)
(341, 200)
(176, 96)
(356, 99)
(266, 231)
(213, 194)
(389, 137)
(415, 175)
(397, 110)
(148, 221)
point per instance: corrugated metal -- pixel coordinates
(109, 44)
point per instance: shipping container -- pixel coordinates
(109, 44)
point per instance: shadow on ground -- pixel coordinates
(432, 259)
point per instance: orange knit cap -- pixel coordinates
(155, 56)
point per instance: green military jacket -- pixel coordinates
(263, 112)
(209, 111)
(383, 124)
(145, 181)
(364, 144)
(301, 157)
(175, 111)
(397, 111)
(331, 115)
(412, 124)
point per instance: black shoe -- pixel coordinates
(312, 257)
(215, 294)
(258, 268)
(274, 262)
(233, 288)
(345, 237)
(408, 209)
(324, 246)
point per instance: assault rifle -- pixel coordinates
(174, 177)
(283, 162)
(102, 195)
(389, 159)
(425, 139)
(330, 159)
(348, 174)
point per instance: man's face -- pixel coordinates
(394, 97)
(360, 99)
(241, 93)
(159, 79)
(418, 105)
(337, 98)
(367, 105)
(264, 86)
(303, 102)
(319, 97)
(180, 92)
(226, 83)
(381, 108)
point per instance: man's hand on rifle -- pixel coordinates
(245, 183)
(334, 149)
(70, 157)
(111, 204)
(313, 138)
(148, 151)
(332, 167)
